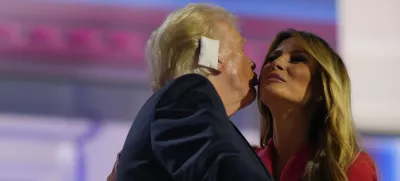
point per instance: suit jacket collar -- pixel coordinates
(194, 82)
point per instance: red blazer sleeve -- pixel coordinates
(363, 169)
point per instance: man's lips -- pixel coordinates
(254, 81)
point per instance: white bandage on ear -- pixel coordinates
(209, 50)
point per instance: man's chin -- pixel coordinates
(249, 98)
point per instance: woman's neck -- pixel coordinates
(291, 130)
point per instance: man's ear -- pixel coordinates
(221, 65)
(220, 68)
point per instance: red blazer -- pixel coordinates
(363, 168)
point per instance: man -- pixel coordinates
(200, 76)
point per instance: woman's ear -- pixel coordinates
(318, 89)
(319, 98)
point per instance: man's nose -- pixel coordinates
(252, 64)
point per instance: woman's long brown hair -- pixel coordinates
(333, 129)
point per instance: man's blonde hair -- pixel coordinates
(173, 48)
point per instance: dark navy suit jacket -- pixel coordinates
(182, 133)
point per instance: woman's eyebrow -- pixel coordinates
(275, 52)
(300, 52)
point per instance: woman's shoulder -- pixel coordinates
(259, 150)
(256, 148)
(363, 168)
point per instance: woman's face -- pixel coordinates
(288, 75)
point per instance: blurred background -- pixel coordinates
(73, 76)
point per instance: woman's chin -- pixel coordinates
(274, 97)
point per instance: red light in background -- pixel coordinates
(45, 38)
(10, 35)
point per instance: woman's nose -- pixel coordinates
(279, 63)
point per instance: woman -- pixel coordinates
(307, 129)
